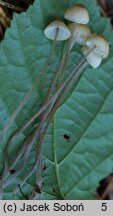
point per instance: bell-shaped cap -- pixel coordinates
(78, 14)
(80, 33)
(100, 42)
(93, 59)
(63, 31)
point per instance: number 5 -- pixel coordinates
(104, 207)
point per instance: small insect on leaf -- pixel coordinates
(66, 137)
(12, 171)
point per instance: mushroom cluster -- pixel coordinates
(94, 48)
(80, 33)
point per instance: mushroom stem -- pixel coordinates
(9, 166)
(50, 116)
(66, 58)
(32, 139)
(38, 129)
(61, 66)
(29, 94)
(6, 149)
(77, 75)
(39, 144)
(52, 100)
(44, 107)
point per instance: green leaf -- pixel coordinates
(74, 166)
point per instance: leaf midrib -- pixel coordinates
(55, 157)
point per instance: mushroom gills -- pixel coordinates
(93, 59)
(63, 31)
(100, 42)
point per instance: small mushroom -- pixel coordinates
(93, 59)
(53, 27)
(55, 31)
(78, 14)
(100, 42)
(100, 51)
(80, 33)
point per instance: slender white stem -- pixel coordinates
(44, 107)
(26, 98)
(81, 65)
(26, 154)
(37, 160)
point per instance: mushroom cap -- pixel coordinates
(93, 59)
(80, 33)
(101, 43)
(63, 31)
(77, 13)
